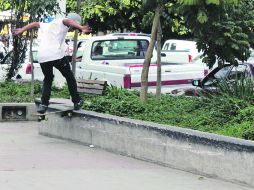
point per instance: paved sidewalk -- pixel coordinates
(29, 161)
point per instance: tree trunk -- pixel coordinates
(18, 46)
(149, 54)
(158, 87)
(32, 64)
(75, 43)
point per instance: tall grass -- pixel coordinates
(238, 86)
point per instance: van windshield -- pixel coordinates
(119, 49)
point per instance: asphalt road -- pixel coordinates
(29, 161)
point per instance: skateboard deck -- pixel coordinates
(42, 116)
(51, 112)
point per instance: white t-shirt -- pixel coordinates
(51, 41)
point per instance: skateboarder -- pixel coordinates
(51, 53)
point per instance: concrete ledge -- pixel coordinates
(17, 112)
(206, 154)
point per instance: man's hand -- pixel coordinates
(17, 31)
(86, 29)
(32, 25)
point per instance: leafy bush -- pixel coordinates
(248, 134)
(16, 92)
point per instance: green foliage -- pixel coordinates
(16, 92)
(237, 87)
(249, 134)
(110, 15)
(222, 114)
(202, 17)
(117, 101)
(129, 15)
(217, 24)
(37, 8)
(4, 5)
(152, 4)
(231, 116)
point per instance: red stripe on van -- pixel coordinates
(164, 83)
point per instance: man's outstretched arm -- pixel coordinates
(71, 23)
(30, 26)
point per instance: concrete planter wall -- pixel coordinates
(17, 111)
(206, 154)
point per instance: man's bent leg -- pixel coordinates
(47, 70)
(64, 67)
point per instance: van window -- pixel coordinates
(173, 46)
(166, 46)
(119, 49)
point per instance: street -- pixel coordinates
(29, 161)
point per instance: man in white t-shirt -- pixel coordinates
(51, 53)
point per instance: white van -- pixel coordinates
(119, 58)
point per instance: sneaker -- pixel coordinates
(78, 106)
(42, 108)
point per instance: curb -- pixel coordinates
(215, 156)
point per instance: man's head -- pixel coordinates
(74, 16)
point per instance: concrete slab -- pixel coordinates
(66, 102)
(30, 161)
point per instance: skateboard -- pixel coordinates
(42, 116)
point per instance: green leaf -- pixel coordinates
(202, 17)
(235, 46)
(214, 2)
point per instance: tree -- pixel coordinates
(159, 45)
(19, 43)
(127, 15)
(156, 32)
(103, 15)
(148, 56)
(223, 29)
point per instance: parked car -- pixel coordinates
(228, 74)
(179, 51)
(24, 71)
